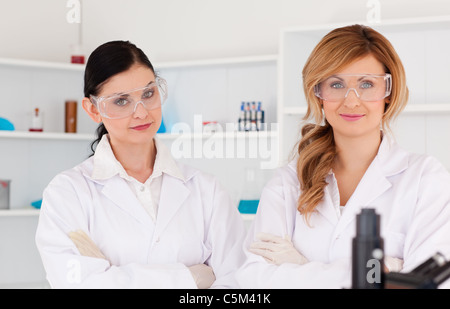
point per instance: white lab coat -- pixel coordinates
(196, 223)
(410, 192)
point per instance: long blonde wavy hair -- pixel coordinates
(316, 149)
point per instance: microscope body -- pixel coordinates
(368, 255)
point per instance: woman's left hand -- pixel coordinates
(392, 264)
(276, 250)
(85, 245)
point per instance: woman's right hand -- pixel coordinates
(392, 264)
(203, 275)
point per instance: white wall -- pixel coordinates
(179, 29)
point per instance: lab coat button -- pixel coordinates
(142, 189)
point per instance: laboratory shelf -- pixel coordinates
(19, 212)
(427, 108)
(297, 110)
(219, 135)
(409, 109)
(25, 285)
(163, 136)
(29, 211)
(162, 65)
(217, 61)
(41, 64)
(45, 135)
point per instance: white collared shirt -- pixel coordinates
(148, 193)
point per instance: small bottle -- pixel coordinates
(4, 193)
(71, 117)
(241, 120)
(247, 117)
(36, 121)
(251, 190)
(367, 252)
(77, 55)
(259, 118)
(253, 117)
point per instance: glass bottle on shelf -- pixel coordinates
(37, 123)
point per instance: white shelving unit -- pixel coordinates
(423, 44)
(41, 64)
(45, 135)
(260, 59)
(25, 212)
(162, 136)
(419, 109)
(47, 85)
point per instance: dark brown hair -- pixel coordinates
(106, 61)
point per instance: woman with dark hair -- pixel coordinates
(130, 216)
(347, 160)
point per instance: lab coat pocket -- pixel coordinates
(394, 243)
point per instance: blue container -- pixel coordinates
(248, 206)
(162, 127)
(37, 204)
(6, 125)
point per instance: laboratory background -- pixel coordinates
(235, 101)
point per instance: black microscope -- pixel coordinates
(368, 267)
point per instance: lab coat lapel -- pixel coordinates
(173, 193)
(371, 186)
(117, 190)
(330, 201)
(389, 161)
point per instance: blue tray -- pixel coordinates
(248, 206)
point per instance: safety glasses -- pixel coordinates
(124, 104)
(367, 87)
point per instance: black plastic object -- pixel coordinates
(367, 252)
(428, 275)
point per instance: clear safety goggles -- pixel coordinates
(367, 87)
(124, 104)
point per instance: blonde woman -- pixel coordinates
(355, 85)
